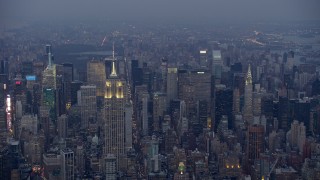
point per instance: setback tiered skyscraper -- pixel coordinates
(248, 112)
(114, 114)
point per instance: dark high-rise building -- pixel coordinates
(3, 88)
(108, 66)
(3, 119)
(4, 67)
(27, 68)
(283, 113)
(239, 82)
(163, 77)
(175, 111)
(236, 68)
(9, 159)
(88, 105)
(288, 81)
(136, 74)
(172, 84)
(4, 79)
(223, 105)
(38, 68)
(37, 93)
(182, 81)
(67, 79)
(201, 81)
(267, 106)
(75, 87)
(202, 110)
(302, 113)
(159, 108)
(67, 164)
(255, 140)
(315, 88)
(147, 78)
(19, 85)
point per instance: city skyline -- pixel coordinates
(159, 90)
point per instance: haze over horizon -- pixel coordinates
(165, 10)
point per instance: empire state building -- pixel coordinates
(114, 115)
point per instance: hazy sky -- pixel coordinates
(173, 10)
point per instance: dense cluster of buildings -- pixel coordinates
(219, 114)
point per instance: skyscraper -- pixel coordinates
(203, 61)
(88, 105)
(217, 63)
(159, 107)
(45, 122)
(223, 105)
(297, 135)
(67, 79)
(248, 112)
(80, 159)
(144, 114)
(115, 99)
(128, 122)
(255, 140)
(62, 126)
(96, 74)
(67, 164)
(49, 85)
(111, 170)
(172, 84)
(49, 74)
(164, 71)
(201, 81)
(75, 87)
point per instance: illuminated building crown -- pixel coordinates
(249, 76)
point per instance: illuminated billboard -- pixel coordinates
(30, 77)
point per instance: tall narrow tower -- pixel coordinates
(49, 78)
(49, 85)
(114, 115)
(247, 111)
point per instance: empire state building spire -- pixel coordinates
(113, 71)
(249, 76)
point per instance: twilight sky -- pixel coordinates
(164, 10)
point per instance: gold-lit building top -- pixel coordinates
(249, 76)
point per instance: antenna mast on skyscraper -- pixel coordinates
(113, 72)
